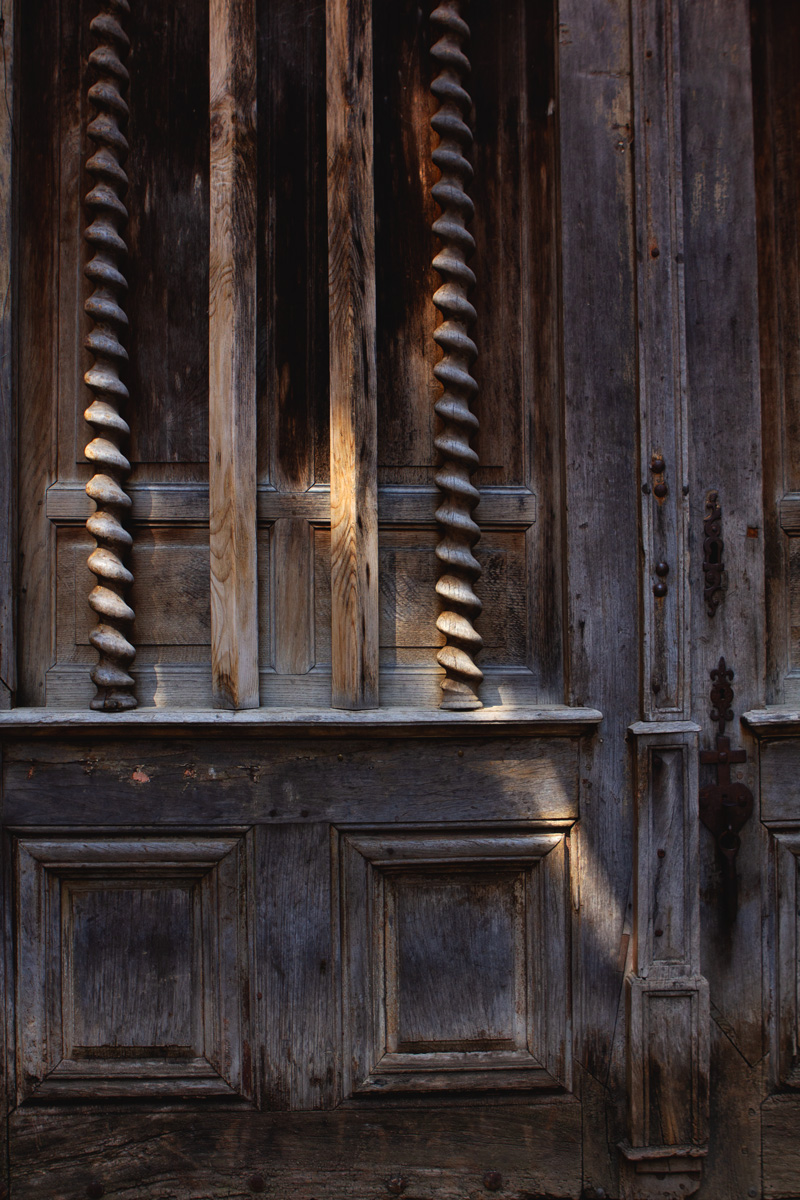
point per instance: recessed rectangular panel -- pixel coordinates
(455, 961)
(409, 604)
(131, 982)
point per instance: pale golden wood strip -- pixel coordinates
(351, 276)
(8, 679)
(232, 368)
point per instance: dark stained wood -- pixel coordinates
(354, 1153)
(37, 378)
(169, 229)
(232, 367)
(293, 414)
(780, 1121)
(299, 968)
(8, 650)
(725, 431)
(351, 283)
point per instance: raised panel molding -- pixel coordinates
(786, 1025)
(455, 958)
(132, 968)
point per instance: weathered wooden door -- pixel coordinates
(350, 813)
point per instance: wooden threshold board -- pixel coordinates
(558, 719)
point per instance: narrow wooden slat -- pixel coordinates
(232, 366)
(7, 647)
(353, 395)
(292, 561)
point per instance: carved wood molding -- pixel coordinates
(104, 235)
(460, 569)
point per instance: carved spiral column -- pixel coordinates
(104, 235)
(459, 567)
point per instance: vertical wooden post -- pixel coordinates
(351, 278)
(7, 642)
(664, 492)
(231, 360)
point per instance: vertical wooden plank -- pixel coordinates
(602, 523)
(37, 313)
(8, 673)
(664, 492)
(232, 366)
(353, 393)
(292, 562)
(725, 435)
(298, 966)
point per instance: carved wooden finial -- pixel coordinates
(104, 235)
(460, 569)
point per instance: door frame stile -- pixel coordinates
(667, 1071)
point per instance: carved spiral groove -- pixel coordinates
(107, 215)
(459, 568)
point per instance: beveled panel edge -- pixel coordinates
(555, 719)
(766, 721)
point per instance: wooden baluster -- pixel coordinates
(460, 569)
(104, 236)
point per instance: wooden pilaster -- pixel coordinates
(353, 396)
(232, 365)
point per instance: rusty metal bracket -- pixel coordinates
(713, 546)
(725, 806)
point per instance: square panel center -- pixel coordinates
(455, 961)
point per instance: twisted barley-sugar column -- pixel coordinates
(460, 569)
(104, 235)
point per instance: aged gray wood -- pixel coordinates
(332, 779)
(298, 968)
(8, 649)
(351, 283)
(725, 433)
(441, 1152)
(780, 1121)
(662, 349)
(133, 964)
(232, 366)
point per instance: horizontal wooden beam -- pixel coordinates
(187, 503)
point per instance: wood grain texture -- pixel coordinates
(776, 104)
(780, 1131)
(292, 559)
(293, 416)
(8, 474)
(602, 518)
(349, 779)
(232, 367)
(443, 1153)
(351, 282)
(38, 160)
(299, 1012)
(662, 356)
(133, 966)
(725, 431)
